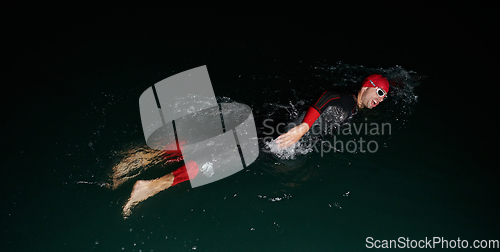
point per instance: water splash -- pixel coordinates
(288, 153)
(136, 160)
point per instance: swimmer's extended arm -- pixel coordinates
(292, 136)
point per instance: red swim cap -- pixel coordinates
(379, 81)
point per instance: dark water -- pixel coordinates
(74, 114)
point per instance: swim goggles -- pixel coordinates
(379, 91)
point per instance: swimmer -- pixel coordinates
(373, 91)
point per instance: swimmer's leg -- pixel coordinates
(144, 189)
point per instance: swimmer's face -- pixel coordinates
(370, 99)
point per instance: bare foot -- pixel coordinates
(144, 189)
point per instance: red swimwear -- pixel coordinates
(188, 170)
(185, 172)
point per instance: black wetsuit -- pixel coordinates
(334, 107)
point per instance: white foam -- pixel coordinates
(290, 152)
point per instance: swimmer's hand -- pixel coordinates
(292, 136)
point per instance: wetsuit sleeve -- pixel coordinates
(315, 110)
